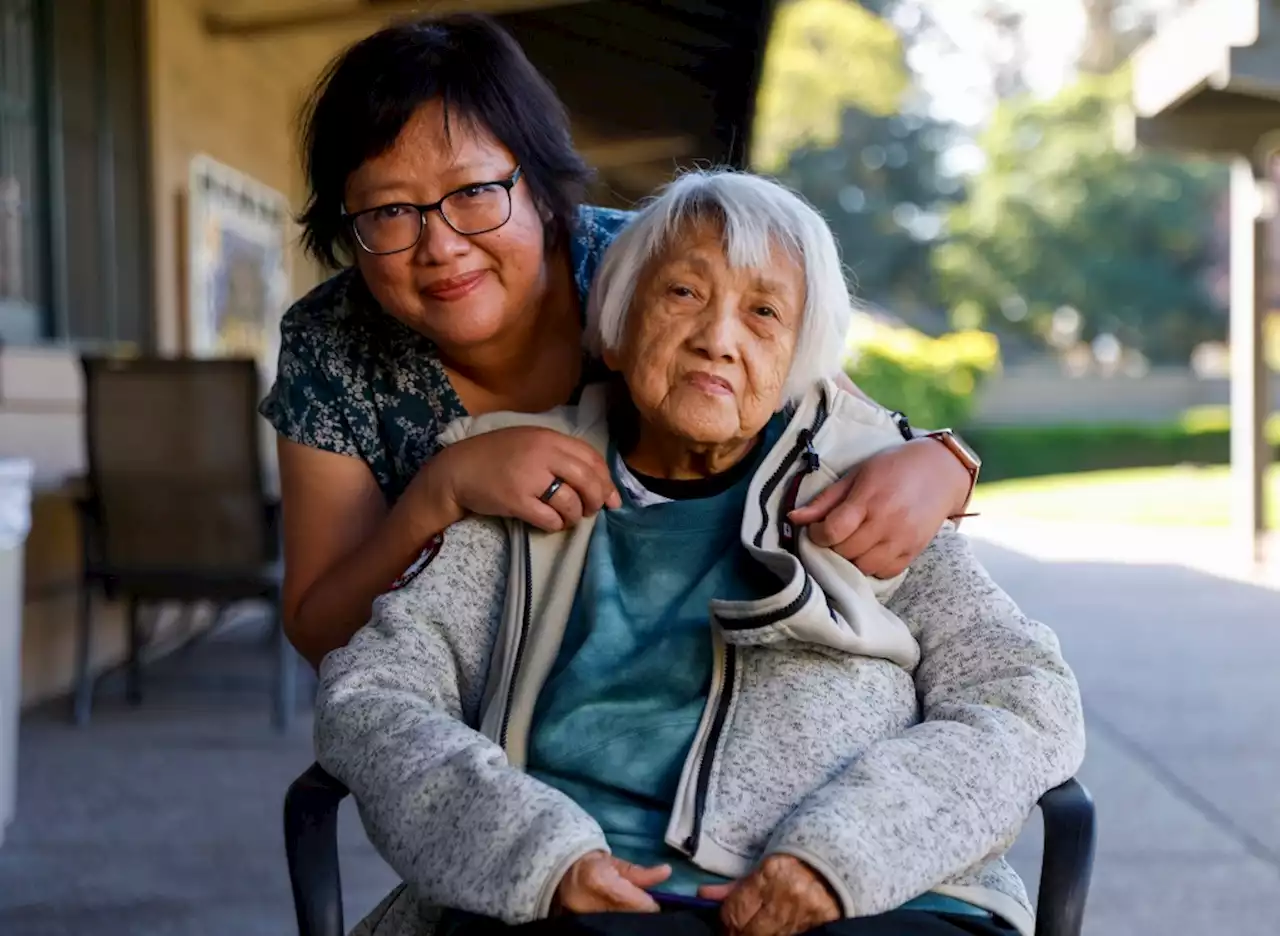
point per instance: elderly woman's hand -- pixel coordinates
(782, 897)
(600, 883)
(882, 515)
(507, 473)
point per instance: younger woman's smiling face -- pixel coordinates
(461, 291)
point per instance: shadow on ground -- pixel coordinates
(1180, 673)
(165, 819)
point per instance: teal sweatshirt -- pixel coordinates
(618, 714)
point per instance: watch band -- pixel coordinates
(966, 456)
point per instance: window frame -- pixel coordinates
(54, 43)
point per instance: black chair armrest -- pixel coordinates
(1069, 831)
(311, 844)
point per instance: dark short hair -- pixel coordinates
(368, 93)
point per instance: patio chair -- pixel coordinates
(311, 844)
(176, 508)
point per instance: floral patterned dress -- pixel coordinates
(355, 381)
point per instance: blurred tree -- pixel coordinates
(823, 57)
(1103, 52)
(1063, 232)
(839, 120)
(1009, 72)
(1000, 35)
(880, 188)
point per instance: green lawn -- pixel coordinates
(1177, 496)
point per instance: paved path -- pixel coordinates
(1180, 672)
(165, 819)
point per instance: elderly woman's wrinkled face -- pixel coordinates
(707, 347)
(458, 290)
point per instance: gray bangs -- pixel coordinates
(752, 228)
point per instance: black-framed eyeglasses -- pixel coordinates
(473, 209)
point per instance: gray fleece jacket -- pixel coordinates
(894, 735)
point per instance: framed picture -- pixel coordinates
(238, 283)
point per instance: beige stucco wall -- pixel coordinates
(235, 99)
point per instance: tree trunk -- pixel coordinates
(1101, 53)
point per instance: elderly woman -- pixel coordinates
(445, 192)
(686, 698)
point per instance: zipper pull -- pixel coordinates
(809, 462)
(786, 529)
(810, 454)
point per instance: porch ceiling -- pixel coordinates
(254, 18)
(651, 86)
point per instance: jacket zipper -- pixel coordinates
(525, 618)
(708, 752)
(786, 529)
(803, 446)
(772, 617)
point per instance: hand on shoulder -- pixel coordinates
(509, 472)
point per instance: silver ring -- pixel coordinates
(550, 492)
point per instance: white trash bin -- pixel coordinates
(15, 521)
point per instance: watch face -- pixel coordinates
(958, 447)
(968, 452)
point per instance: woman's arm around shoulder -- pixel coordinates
(342, 545)
(883, 514)
(395, 721)
(341, 548)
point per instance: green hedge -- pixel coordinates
(1202, 437)
(932, 380)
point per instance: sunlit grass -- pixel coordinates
(1175, 496)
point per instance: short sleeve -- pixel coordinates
(306, 404)
(593, 233)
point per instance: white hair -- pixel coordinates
(756, 214)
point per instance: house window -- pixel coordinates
(74, 239)
(21, 300)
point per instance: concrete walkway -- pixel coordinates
(1180, 672)
(166, 819)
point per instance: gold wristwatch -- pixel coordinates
(965, 455)
(955, 445)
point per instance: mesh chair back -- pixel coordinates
(175, 464)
